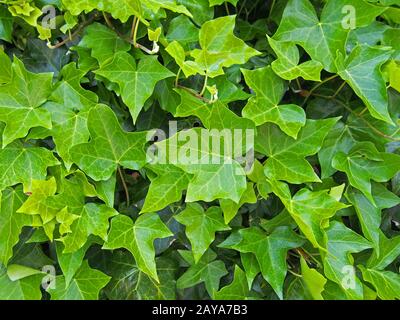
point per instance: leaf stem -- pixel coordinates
(310, 93)
(177, 78)
(203, 90)
(121, 175)
(70, 37)
(227, 8)
(360, 116)
(134, 30)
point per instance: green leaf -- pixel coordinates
(339, 139)
(265, 107)
(338, 261)
(23, 164)
(207, 270)
(201, 226)
(287, 156)
(6, 24)
(237, 290)
(388, 251)
(270, 250)
(215, 176)
(369, 214)
(310, 210)
(24, 289)
(138, 238)
(103, 42)
(129, 283)
(11, 222)
(220, 47)
(323, 38)
(386, 283)
(362, 71)
(364, 163)
(313, 280)
(230, 208)
(21, 100)
(136, 81)
(171, 182)
(85, 285)
(109, 147)
(287, 65)
(70, 112)
(93, 220)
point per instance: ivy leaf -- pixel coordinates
(137, 82)
(23, 164)
(11, 222)
(323, 38)
(36, 204)
(24, 289)
(170, 181)
(237, 290)
(21, 100)
(109, 147)
(314, 281)
(220, 47)
(310, 210)
(122, 11)
(386, 283)
(207, 270)
(201, 226)
(70, 112)
(251, 267)
(364, 163)
(93, 220)
(6, 24)
(222, 179)
(369, 214)
(85, 285)
(70, 262)
(339, 139)
(287, 65)
(362, 70)
(103, 42)
(388, 251)
(265, 107)
(338, 261)
(129, 283)
(138, 238)
(230, 208)
(287, 155)
(270, 250)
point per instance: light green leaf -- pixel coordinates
(85, 285)
(386, 283)
(313, 280)
(220, 47)
(287, 65)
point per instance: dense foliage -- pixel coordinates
(87, 213)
